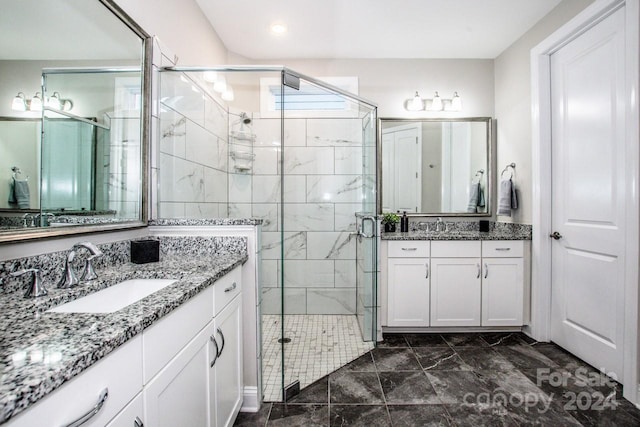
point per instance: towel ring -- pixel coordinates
(479, 174)
(506, 169)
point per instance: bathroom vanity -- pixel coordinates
(174, 356)
(457, 279)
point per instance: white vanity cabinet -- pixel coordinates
(408, 283)
(446, 283)
(202, 384)
(455, 283)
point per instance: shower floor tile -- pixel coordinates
(319, 345)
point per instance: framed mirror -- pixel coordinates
(74, 118)
(435, 167)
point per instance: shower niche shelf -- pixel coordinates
(241, 150)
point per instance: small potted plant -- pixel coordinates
(390, 220)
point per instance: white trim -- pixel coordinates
(541, 174)
(250, 402)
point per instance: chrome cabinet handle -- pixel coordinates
(478, 275)
(427, 265)
(486, 270)
(221, 336)
(215, 343)
(138, 422)
(409, 249)
(232, 287)
(503, 249)
(93, 411)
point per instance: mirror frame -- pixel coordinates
(20, 235)
(489, 191)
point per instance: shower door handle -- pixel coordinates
(373, 227)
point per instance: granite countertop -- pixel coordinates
(205, 221)
(40, 351)
(460, 235)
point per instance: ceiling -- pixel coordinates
(373, 28)
(64, 30)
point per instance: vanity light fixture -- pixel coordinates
(54, 101)
(19, 103)
(435, 104)
(36, 103)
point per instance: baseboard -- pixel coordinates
(250, 402)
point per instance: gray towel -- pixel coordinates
(476, 198)
(507, 198)
(19, 194)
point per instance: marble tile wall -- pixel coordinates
(322, 191)
(192, 152)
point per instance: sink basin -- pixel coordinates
(114, 297)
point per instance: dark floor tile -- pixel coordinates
(484, 359)
(512, 386)
(254, 419)
(526, 357)
(457, 386)
(558, 384)
(395, 359)
(360, 415)
(604, 417)
(561, 357)
(465, 340)
(418, 415)
(298, 415)
(392, 340)
(440, 359)
(363, 363)
(355, 387)
(545, 413)
(408, 388)
(317, 392)
(479, 415)
(506, 338)
(425, 340)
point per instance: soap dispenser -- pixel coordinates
(404, 223)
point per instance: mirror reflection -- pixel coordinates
(70, 115)
(436, 166)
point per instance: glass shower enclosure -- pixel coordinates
(299, 153)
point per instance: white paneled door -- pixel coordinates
(588, 194)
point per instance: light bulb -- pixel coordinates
(36, 103)
(415, 104)
(220, 85)
(228, 94)
(436, 103)
(18, 103)
(54, 101)
(456, 102)
(210, 76)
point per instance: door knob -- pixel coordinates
(556, 235)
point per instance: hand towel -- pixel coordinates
(507, 198)
(476, 198)
(19, 193)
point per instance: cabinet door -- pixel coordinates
(179, 394)
(227, 388)
(132, 413)
(502, 292)
(455, 291)
(408, 292)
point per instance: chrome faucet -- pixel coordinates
(36, 287)
(441, 225)
(88, 273)
(69, 278)
(27, 220)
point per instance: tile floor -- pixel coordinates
(319, 345)
(456, 379)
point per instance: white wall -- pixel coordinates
(181, 27)
(513, 103)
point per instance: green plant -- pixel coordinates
(390, 218)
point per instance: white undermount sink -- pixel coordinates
(114, 297)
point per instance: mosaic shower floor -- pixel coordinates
(319, 345)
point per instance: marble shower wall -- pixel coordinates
(322, 191)
(193, 150)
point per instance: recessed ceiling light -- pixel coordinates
(278, 28)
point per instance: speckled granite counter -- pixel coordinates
(206, 221)
(498, 231)
(40, 351)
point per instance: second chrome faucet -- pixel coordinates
(69, 277)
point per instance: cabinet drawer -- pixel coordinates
(408, 248)
(455, 249)
(503, 248)
(127, 417)
(120, 372)
(162, 341)
(226, 288)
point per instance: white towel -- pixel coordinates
(507, 198)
